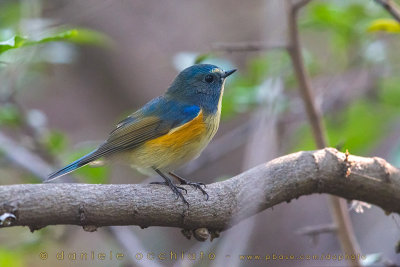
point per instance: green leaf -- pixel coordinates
(78, 36)
(358, 127)
(55, 141)
(341, 26)
(10, 258)
(94, 175)
(14, 42)
(9, 115)
(200, 58)
(384, 25)
(241, 95)
(390, 92)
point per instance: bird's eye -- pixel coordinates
(209, 78)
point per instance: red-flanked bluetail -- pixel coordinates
(168, 131)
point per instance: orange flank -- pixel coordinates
(180, 136)
(177, 147)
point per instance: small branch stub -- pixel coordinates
(348, 164)
(201, 234)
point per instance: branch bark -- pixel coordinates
(372, 180)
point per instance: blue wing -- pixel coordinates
(155, 119)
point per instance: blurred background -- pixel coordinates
(70, 70)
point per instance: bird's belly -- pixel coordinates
(176, 148)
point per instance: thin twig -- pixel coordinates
(390, 7)
(243, 47)
(303, 78)
(317, 229)
(23, 158)
(32, 132)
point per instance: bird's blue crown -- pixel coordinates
(200, 85)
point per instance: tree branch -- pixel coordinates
(338, 206)
(324, 171)
(303, 79)
(23, 158)
(390, 7)
(34, 164)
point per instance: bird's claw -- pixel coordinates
(174, 189)
(197, 186)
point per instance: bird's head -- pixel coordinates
(201, 84)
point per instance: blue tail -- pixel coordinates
(74, 165)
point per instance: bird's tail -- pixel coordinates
(74, 165)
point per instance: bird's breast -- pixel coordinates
(179, 145)
(197, 132)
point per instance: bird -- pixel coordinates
(168, 131)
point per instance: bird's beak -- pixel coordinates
(227, 73)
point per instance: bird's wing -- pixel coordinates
(155, 119)
(134, 133)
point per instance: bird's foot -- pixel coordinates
(175, 189)
(194, 184)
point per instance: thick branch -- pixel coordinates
(372, 180)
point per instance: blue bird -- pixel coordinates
(168, 131)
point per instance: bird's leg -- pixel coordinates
(194, 184)
(171, 185)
